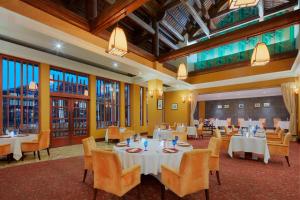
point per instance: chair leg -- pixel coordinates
(39, 156)
(139, 191)
(22, 158)
(162, 191)
(206, 194)
(218, 177)
(287, 160)
(34, 153)
(8, 158)
(84, 175)
(48, 151)
(95, 194)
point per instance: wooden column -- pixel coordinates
(92, 106)
(122, 104)
(44, 97)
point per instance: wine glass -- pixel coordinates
(145, 144)
(174, 143)
(128, 141)
(176, 138)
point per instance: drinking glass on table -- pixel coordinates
(145, 144)
(174, 142)
(128, 141)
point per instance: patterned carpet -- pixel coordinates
(241, 179)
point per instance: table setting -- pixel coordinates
(150, 154)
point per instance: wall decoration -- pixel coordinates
(219, 106)
(226, 106)
(241, 105)
(266, 105)
(257, 105)
(159, 104)
(174, 106)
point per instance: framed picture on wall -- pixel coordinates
(174, 106)
(219, 106)
(159, 104)
(241, 105)
(226, 106)
(257, 105)
(266, 105)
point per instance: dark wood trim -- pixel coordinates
(250, 31)
(292, 54)
(115, 13)
(213, 10)
(60, 12)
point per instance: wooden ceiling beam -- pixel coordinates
(250, 31)
(115, 13)
(196, 16)
(91, 9)
(213, 10)
(261, 10)
(172, 30)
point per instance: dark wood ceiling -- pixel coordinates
(155, 27)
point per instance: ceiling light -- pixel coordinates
(182, 72)
(261, 55)
(117, 44)
(115, 64)
(58, 45)
(234, 4)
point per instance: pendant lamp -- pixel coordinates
(261, 55)
(234, 4)
(182, 72)
(117, 44)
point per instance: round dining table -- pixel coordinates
(15, 142)
(163, 134)
(153, 157)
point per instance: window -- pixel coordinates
(20, 108)
(141, 106)
(107, 103)
(68, 82)
(127, 105)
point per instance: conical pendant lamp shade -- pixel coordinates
(182, 72)
(261, 55)
(117, 44)
(234, 4)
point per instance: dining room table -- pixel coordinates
(249, 144)
(247, 123)
(284, 124)
(151, 158)
(16, 141)
(163, 134)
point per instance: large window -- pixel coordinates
(127, 105)
(20, 83)
(107, 103)
(68, 82)
(141, 106)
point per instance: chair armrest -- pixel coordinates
(277, 144)
(169, 170)
(133, 169)
(30, 142)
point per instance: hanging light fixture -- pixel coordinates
(32, 86)
(117, 44)
(261, 55)
(182, 72)
(234, 4)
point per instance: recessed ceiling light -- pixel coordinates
(115, 64)
(58, 45)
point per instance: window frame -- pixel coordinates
(141, 93)
(127, 104)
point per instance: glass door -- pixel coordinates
(68, 121)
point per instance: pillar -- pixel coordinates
(122, 104)
(44, 97)
(92, 106)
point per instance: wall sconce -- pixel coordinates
(158, 92)
(184, 98)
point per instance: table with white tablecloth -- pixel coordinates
(180, 128)
(163, 134)
(122, 130)
(250, 123)
(284, 124)
(15, 143)
(152, 159)
(191, 131)
(257, 145)
(218, 123)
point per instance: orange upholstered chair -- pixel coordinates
(276, 122)
(281, 149)
(262, 122)
(214, 146)
(88, 145)
(277, 136)
(5, 151)
(42, 143)
(114, 133)
(228, 121)
(182, 136)
(218, 133)
(192, 175)
(240, 121)
(200, 130)
(109, 176)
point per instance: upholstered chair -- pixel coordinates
(281, 149)
(262, 122)
(109, 176)
(277, 137)
(182, 136)
(214, 146)
(200, 130)
(228, 120)
(276, 122)
(240, 121)
(192, 176)
(42, 143)
(218, 133)
(5, 150)
(88, 145)
(114, 133)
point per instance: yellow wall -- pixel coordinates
(201, 109)
(182, 114)
(44, 96)
(298, 105)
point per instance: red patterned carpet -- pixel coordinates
(241, 179)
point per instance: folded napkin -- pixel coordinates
(170, 150)
(133, 150)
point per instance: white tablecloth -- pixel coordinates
(15, 143)
(161, 134)
(250, 123)
(284, 124)
(192, 131)
(151, 160)
(180, 128)
(249, 144)
(218, 122)
(122, 130)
